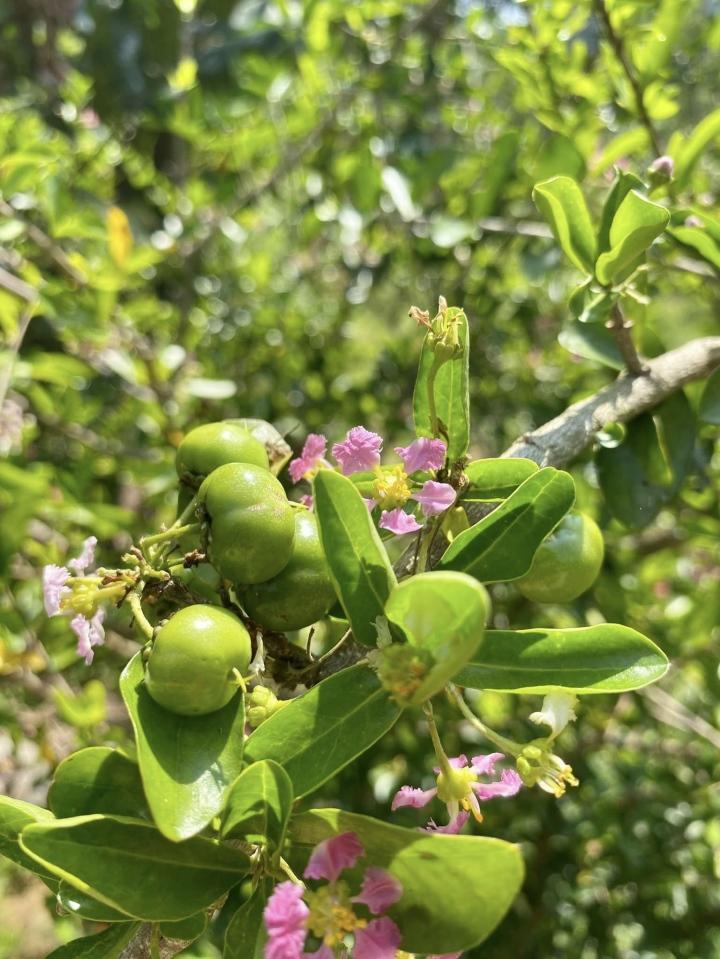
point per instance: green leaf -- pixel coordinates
(562, 204)
(704, 133)
(320, 732)
(699, 241)
(259, 804)
(443, 614)
(359, 566)
(85, 907)
(97, 780)
(590, 659)
(15, 815)
(188, 930)
(107, 944)
(456, 889)
(637, 222)
(592, 342)
(245, 934)
(502, 545)
(130, 866)
(624, 183)
(709, 411)
(495, 479)
(187, 763)
(451, 392)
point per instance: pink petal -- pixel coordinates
(457, 762)
(54, 579)
(359, 451)
(453, 827)
(312, 454)
(380, 939)
(330, 857)
(81, 627)
(416, 798)
(284, 917)
(422, 454)
(435, 497)
(399, 522)
(307, 500)
(379, 890)
(86, 557)
(485, 765)
(96, 630)
(509, 784)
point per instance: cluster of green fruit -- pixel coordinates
(266, 547)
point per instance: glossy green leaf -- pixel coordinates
(97, 780)
(245, 935)
(592, 659)
(502, 545)
(443, 615)
(699, 241)
(637, 222)
(15, 815)
(130, 866)
(187, 763)
(624, 183)
(358, 563)
(259, 804)
(186, 930)
(709, 411)
(495, 479)
(592, 342)
(323, 730)
(82, 905)
(561, 203)
(450, 389)
(456, 889)
(107, 944)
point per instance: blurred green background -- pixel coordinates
(222, 208)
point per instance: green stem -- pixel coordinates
(140, 617)
(428, 538)
(435, 736)
(507, 745)
(289, 873)
(155, 942)
(173, 533)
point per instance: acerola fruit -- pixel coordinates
(300, 594)
(567, 563)
(215, 444)
(252, 524)
(190, 667)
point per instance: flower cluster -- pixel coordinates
(393, 487)
(82, 593)
(458, 786)
(328, 914)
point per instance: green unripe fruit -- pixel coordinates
(252, 524)
(190, 667)
(567, 563)
(302, 592)
(215, 444)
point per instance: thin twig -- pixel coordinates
(621, 329)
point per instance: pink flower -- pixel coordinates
(422, 454)
(380, 939)
(307, 501)
(333, 856)
(435, 497)
(379, 890)
(452, 828)
(359, 451)
(399, 522)
(312, 456)
(285, 915)
(54, 580)
(459, 787)
(90, 633)
(86, 557)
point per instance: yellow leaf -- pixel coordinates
(120, 238)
